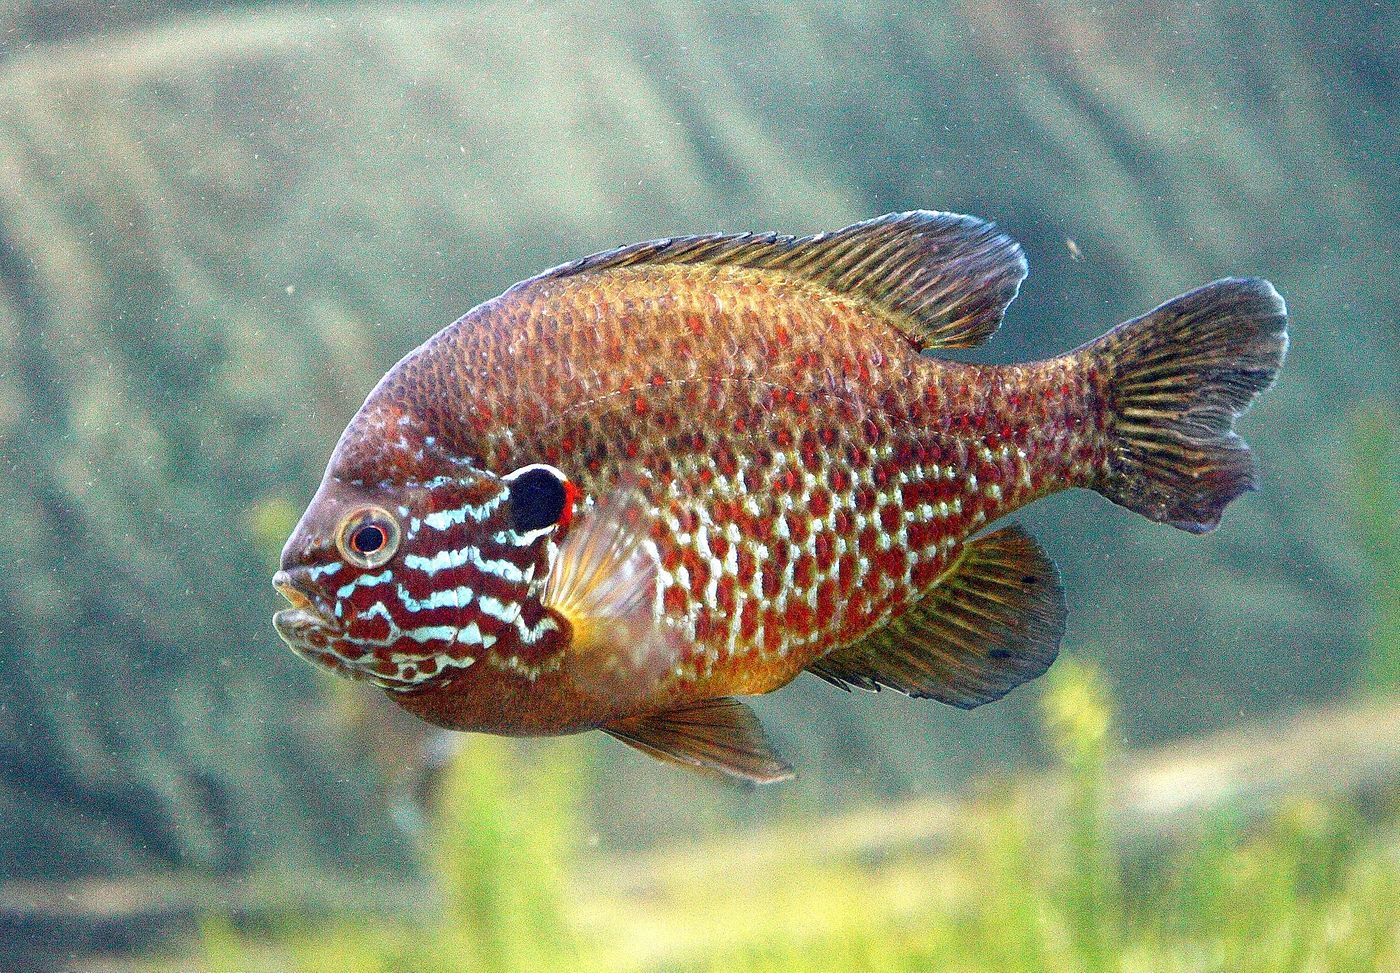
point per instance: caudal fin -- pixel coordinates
(1178, 378)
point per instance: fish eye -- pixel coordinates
(368, 537)
(539, 497)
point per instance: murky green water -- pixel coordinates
(219, 227)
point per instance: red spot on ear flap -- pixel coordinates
(571, 497)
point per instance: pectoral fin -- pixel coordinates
(721, 735)
(603, 581)
(991, 621)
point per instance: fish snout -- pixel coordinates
(309, 623)
(286, 584)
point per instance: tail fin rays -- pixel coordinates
(1179, 377)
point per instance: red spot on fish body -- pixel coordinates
(843, 523)
(773, 633)
(890, 516)
(804, 569)
(865, 500)
(748, 622)
(799, 616)
(704, 626)
(676, 601)
(925, 572)
(773, 573)
(724, 596)
(671, 558)
(719, 545)
(746, 566)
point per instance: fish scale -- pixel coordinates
(646, 482)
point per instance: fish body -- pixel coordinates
(644, 483)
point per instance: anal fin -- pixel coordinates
(721, 735)
(991, 621)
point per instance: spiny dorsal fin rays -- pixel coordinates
(943, 280)
(719, 735)
(991, 621)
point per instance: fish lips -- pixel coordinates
(308, 625)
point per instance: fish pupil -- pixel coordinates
(537, 499)
(368, 539)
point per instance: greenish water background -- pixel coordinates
(218, 227)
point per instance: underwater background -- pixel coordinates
(221, 223)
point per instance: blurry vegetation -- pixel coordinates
(504, 834)
(1374, 488)
(1028, 885)
(269, 522)
(1078, 720)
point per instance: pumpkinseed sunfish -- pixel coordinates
(639, 485)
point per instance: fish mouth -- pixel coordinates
(307, 624)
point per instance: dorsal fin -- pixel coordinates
(944, 280)
(991, 621)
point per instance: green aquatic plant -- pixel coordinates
(505, 835)
(1034, 878)
(504, 829)
(1078, 716)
